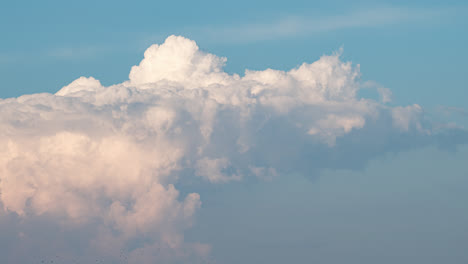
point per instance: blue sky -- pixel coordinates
(330, 184)
(417, 50)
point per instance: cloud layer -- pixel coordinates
(107, 159)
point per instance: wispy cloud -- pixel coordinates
(64, 53)
(74, 52)
(449, 110)
(11, 57)
(301, 25)
(4, 58)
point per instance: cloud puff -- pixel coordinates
(108, 159)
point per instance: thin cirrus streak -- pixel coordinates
(313, 23)
(107, 160)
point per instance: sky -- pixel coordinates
(242, 132)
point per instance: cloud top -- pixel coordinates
(179, 60)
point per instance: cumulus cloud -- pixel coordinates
(108, 159)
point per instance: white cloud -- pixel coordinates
(81, 84)
(212, 170)
(333, 126)
(179, 61)
(111, 157)
(405, 117)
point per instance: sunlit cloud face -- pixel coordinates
(102, 163)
